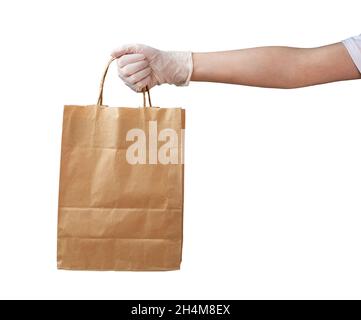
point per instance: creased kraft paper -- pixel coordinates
(114, 215)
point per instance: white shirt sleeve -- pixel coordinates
(353, 45)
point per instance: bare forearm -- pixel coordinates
(275, 67)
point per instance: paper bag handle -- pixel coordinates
(100, 98)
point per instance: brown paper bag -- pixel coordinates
(121, 187)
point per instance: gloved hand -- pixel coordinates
(140, 66)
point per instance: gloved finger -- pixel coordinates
(125, 49)
(129, 58)
(133, 87)
(136, 77)
(133, 68)
(142, 84)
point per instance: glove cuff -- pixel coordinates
(179, 67)
(189, 68)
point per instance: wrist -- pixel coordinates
(178, 67)
(200, 70)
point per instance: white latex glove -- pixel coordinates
(140, 66)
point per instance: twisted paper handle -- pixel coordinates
(100, 98)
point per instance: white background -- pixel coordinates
(273, 177)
